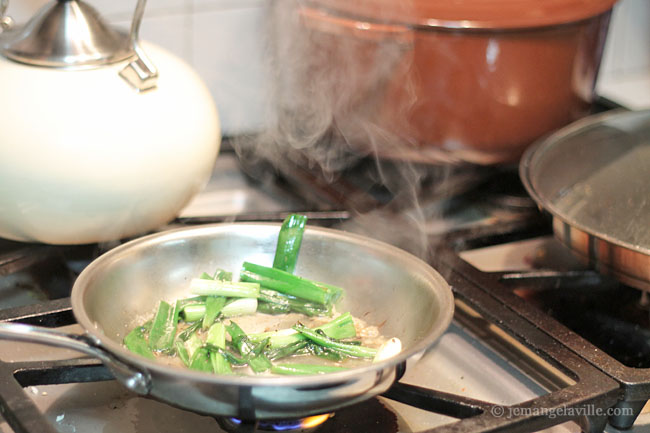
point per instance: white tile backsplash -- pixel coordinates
(625, 71)
(637, 35)
(229, 49)
(628, 45)
(207, 5)
(21, 10)
(171, 31)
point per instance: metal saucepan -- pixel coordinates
(594, 178)
(384, 285)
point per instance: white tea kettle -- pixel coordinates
(95, 143)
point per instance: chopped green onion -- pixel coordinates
(201, 360)
(257, 361)
(303, 369)
(163, 329)
(288, 350)
(338, 328)
(309, 309)
(240, 307)
(289, 241)
(193, 344)
(272, 302)
(222, 275)
(336, 291)
(231, 358)
(345, 348)
(182, 303)
(280, 302)
(181, 351)
(274, 297)
(239, 339)
(213, 306)
(193, 312)
(228, 289)
(271, 308)
(136, 342)
(293, 303)
(278, 339)
(285, 282)
(220, 364)
(324, 352)
(146, 326)
(217, 335)
(189, 331)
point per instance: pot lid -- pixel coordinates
(66, 34)
(594, 175)
(477, 14)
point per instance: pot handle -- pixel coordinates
(140, 73)
(135, 380)
(366, 30)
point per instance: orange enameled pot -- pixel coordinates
(464, 81)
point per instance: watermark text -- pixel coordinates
(558, 412)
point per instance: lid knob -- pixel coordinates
(66, 34)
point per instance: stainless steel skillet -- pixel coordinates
(384, 285)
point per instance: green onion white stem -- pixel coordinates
(229, 289)
(390, 348)
(217, 335)
(240, 307)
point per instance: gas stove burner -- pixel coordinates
(368, 416)
(302, 425)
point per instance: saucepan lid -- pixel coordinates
(593, 176)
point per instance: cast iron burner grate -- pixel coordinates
(486, 306)
(541, 298)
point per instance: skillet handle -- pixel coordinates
(131, 377)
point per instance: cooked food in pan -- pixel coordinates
(261, 320)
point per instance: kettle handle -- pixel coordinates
(141, 73)
(5, 21)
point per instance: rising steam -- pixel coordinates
(330, 85)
